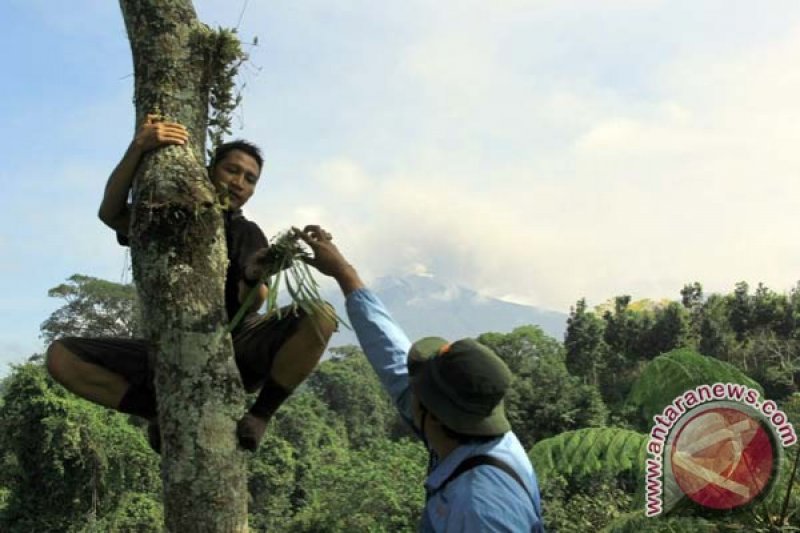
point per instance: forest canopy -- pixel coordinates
(338, 458)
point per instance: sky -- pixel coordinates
(539, 151)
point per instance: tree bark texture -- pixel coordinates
(179, 264)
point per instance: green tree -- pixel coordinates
(692, 300)
(791, 314)
(271, 482)
(316, 436)
(544, 399)
(135, 513)
(623, 333)
(692, 295)
(740, 310)
(717, 338)
(586, 349)
(767, 309)
(70, 462)
(378, 488)
(350, 388)
(772, 361)
(93, 308)
(670, 329)
(582, 503)
(523, 347)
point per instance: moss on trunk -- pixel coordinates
(179, 262)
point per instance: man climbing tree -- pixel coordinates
(195, 258)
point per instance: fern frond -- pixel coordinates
(671, 374)
(588, 451)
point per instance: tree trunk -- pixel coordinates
(179, 264)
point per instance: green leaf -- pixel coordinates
(588, 451)
(669, 375)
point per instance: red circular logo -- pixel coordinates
(722, 458)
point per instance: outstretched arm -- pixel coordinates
(383, 341)
(329, 260)
(114, 210)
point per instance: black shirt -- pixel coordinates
(243, 238)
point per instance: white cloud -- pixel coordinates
(420, 269)
(342, 176)
(488, 163)
(689, 187)
(539, 149)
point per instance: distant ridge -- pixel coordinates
(423, 306)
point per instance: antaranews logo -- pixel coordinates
(719, 445)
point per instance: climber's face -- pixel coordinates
(238, 173)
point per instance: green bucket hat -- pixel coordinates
(462, 383)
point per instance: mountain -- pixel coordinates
(424, 305)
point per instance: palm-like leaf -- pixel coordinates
(671, 374)
(588, 451)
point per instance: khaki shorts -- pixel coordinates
(255, 345)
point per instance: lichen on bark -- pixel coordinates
(179, 262)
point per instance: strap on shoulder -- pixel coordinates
(477, 460)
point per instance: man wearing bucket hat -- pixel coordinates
(480, 478)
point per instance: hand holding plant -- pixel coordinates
(284, 263)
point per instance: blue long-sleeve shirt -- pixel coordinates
(482, 499)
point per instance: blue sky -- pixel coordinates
(535, 150)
